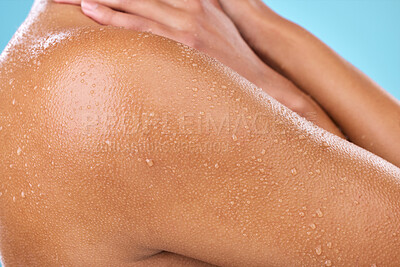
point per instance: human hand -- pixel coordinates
(198, 24)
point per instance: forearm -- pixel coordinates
(365, 112)
(291, 96)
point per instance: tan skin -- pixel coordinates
(79, 189)
(204, 26)
(365, 112)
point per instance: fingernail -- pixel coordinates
(89, 6)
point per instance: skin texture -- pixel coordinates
(204, 26)
(367, 114)
(104, 162)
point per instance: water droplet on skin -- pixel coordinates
(13, 102)
(313, 226)
(328, 263)
(319, 213)
(149, 162)
(19, 151)
(301, 214)
(14, 198)
(325, 144)
(318, 171)
(263, 152)
(234, 137)
(195, 89)
(216, 165)
(22, 194)
(83, 74)
(329, 245)
(318, 250)
(293, 171)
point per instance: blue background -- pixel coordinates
(365, 32)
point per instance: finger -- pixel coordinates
(216, 4)
(73, 2)
(156, 10)
(107, 16)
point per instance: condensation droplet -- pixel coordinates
(19, 151)
(328, 263)
(293, 171)
(216, 165)
(263, 152)
(22, 194)
(329, 244)
(313, 226)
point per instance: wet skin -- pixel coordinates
(115, 147)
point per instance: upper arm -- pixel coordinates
(194, 160)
